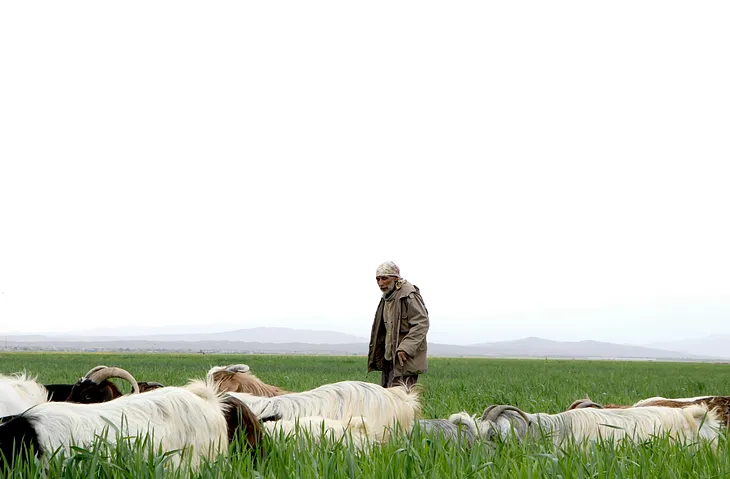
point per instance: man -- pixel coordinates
(398, 337)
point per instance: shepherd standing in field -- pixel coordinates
(398, 338)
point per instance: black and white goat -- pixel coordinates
(195, 419)
(19, 392)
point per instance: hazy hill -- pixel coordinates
(250, 335)
(544, 347)
(717, 345)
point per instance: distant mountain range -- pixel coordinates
(302, 341)
(718, 346)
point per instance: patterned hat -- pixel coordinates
(388, 268)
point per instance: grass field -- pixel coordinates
(452, 385)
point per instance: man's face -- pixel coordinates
(386, 283)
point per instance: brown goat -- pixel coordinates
(237, 378)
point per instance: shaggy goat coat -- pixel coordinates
(19, 392)
(380, 407)
(316, 427)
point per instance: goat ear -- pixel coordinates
(240, 418)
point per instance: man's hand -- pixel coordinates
(402, 357)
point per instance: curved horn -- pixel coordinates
(493, 412)
(486, 411)
(238, 368)
(584, 404)
(93, 370)
(575, 404)
(106, 373)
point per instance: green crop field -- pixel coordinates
(452, 385)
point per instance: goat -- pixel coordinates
(238, 378)
(719, 404)
(382, 408)
(315, 427)
(20, 391)
(95, 386)
(589, 424)
(195, 419)
(480, 428)
(448, 429)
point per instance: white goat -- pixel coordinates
(194, 419)
(719, 404)
(19, 392)
(316, 427)
(584, 425)
(382, 408)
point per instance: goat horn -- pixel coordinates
(238, 368)
(93, 370)
(575, 404)
(583, 403)
(493, 412)
(106, 373)
(487, 410)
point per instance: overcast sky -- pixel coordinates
(552, 169)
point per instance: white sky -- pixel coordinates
(553, 169)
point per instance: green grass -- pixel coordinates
(452, 385)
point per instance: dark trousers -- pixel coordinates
(388, 378)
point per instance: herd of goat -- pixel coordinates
(204, 417)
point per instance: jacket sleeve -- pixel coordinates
(418, 326)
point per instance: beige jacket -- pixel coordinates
(410, 321)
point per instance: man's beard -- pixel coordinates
(389, 291)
